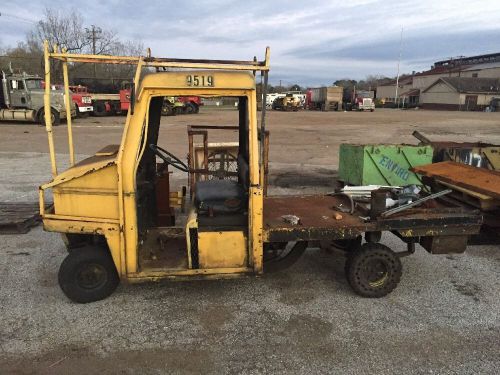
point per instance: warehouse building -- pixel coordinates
(460, 93)
(387, 93)
(411, 89)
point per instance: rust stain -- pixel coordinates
(479, 180)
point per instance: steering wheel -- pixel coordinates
(169, 158)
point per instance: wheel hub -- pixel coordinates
(91, 276)
(376, 272)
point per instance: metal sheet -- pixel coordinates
(475, 179)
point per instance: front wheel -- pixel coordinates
(373, 270)
(55, 117)
(88, 274)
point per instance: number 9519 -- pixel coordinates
(199, 81)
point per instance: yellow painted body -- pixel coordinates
(98, 194)
(232, 250)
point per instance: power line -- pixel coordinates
(22, 19)
(21, 57)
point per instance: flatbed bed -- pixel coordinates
(318, 222)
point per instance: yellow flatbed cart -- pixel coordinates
(111, 206)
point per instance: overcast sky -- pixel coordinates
(312, 42)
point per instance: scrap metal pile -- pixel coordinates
(470, 186)
(459, 174)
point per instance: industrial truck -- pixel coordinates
(21, 99)
(118, 225)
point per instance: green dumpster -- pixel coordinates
(382, 164)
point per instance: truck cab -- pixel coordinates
(82, 100)
(22, 99)
(363, 101)
(116, 195)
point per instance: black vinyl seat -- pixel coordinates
(223, 196)
(219, 196)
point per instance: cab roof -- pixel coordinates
(199, 80)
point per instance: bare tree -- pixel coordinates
(64, 30)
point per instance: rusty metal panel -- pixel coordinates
(479, 180)
(444, 244)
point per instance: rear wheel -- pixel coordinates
(88, 274)
(100, 109)
(373, 270)
(190, 108)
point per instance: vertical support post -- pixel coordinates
(191, 161)
(263, 128)
(266, 161)
(205, 154)
(47, 110)
(137, 77)
(68, 102)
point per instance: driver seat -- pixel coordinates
(223, 196)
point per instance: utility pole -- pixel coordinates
(92, 34)
(399, 62)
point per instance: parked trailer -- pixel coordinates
(325, 98)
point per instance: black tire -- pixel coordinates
(99, 109)
(196, 107)
(373, 270)
(165, 110)
(88, 274)
(55, 117)
(189, 108)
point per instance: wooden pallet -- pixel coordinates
(18, 217)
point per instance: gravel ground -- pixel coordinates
(443, 317)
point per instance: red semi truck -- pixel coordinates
(80, 98)
(192, 103)
(105, 104)
(363, 101)
(82, 101)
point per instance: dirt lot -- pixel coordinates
(443, 317)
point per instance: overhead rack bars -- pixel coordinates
(166, 62)
(140, 61)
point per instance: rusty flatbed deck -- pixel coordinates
(317, 221)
